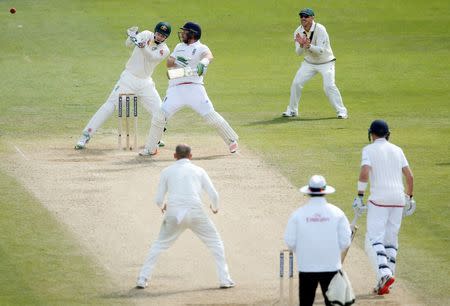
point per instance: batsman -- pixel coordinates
(384, 164)
(149, 49)
(192, 58)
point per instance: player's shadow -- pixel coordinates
(135, 293)
(210, 157)
(282, 120)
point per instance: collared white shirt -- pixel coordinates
(184, 183)
(194, 53)
(318, 232)
(320, 51)
(143, 61)
(386, 162)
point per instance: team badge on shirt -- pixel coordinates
(193, 51)
(161, 52)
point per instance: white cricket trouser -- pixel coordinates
(128, 83)
(198, 222)
(190, 95)
(383, 226)
(304, 74)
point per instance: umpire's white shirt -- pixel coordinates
(386, 161)
(320, 51)
(318, 232)
(143, 61)
(184, 182)
(194, 53)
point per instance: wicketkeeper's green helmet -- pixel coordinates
(163, 28)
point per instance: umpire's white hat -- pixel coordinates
(317, 185)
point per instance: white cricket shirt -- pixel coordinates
(143, 61)
(194, 53)
(320, 51)
(386, 161)
(318, 232)
(184, 183)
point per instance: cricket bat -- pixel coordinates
(176, 73)
(354, 229)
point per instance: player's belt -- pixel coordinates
(184, 83)
(385, 205)
(333, 60)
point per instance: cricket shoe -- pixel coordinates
(81, 144)
(384, 284)
(233, 146)
(161, 144)
(141, 283)
(289, 114)
(342, 116)
(146, 152)
(227, 285)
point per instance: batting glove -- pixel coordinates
(133, 31)
(201, 69)
(181, 61)
(410, 206)
(358, 205)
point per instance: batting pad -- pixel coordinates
(156, 130)
(223, 128)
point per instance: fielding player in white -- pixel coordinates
(189, 90)
(184, 183)
(317, 232)
(384, 163)
(312, 39)
(150, 49)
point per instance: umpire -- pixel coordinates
(317, 232)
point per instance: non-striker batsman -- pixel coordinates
(384, 165)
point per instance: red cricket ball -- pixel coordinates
(12, 10)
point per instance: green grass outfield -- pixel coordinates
(60, 59)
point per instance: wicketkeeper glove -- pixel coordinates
(181, 61)
(410, 206)
(133, 31)
(358, 205)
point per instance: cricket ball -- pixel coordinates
(12, 10)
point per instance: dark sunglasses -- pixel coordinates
(304, 16)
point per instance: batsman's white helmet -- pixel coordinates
(317, 185)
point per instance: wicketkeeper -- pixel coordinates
(150, 49)
(384, 164)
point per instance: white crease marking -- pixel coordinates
(21, 152)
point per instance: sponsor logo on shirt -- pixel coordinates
(161, 52)
(317, 218)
